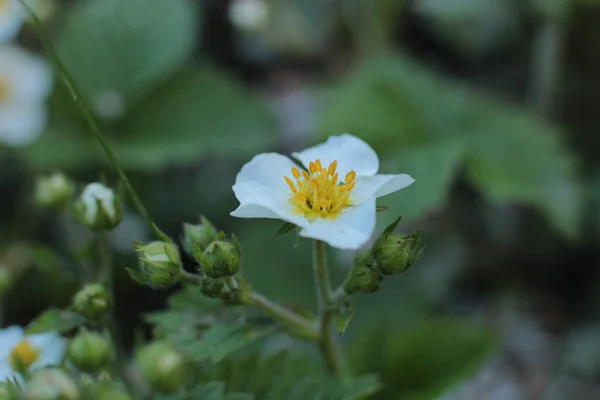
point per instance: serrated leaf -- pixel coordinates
(209, 391)
(191, 299)
(55, 320)
(120, 50)
(285, 228)
(47, 260)
(344, 315)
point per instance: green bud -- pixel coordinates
(162, 366)
(395, 254)
(362, 279)
(53, 191)
(200, 235)
(211, 287)
(99, 208)
(160, 262)
(93, 301)
(89, 351)
(220, 259)
(51, 384)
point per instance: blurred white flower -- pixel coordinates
(31, 351)
(333, 200)
(12, 16)
(248, 15)
(25, 84)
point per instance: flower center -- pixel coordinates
(318, 194)
(23, 355)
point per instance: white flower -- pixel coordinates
(248, 14)
(25, 84)
(333, 200)
(12, 16)
(33, 351)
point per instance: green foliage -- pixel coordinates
(216, 391)
(298, 374)
(430, 128)
(126, 46)
(425, 360)
(54, 319)
(344, 315)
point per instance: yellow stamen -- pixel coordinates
(332, 167)
(350, 176)
(296, 173)
(23, 355)
(317, 192)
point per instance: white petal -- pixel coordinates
(378, 185)
(93, 193)
(29, 76)
(351, 153)
(349, 231)
(9, 338)
(262, 191)
(51, 346)
(12, 17)
(21, 124)
(6, 371)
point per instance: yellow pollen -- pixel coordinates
(317, 192)
(23, 355)
(4, 84)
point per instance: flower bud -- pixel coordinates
(160, 262)
(362, 279)
(162, 367)
(395, 254)
(93, 301)
(200, 235)
(89, 351)
(220, 259)
(211, 288)
(249, 15)
(53, 191)
(98, 207)
(51, 384)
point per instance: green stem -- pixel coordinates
(89, 119)
(327, 344)
(299, 326)
(192, 279)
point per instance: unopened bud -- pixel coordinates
(53, 191)
(395, 254)
(160, 262)
(162, 366)
(220, 259)
(211, 288)
(89, 351)
(99, 208)
(362, 279)
(200, 235)
(51, 384)
(93, 301)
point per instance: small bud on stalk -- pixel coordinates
(200, 235)
(162, 366)
(53, 191)
(89, 351)
(98, 207)
(160, 262)
(93, 301)
(221, 258)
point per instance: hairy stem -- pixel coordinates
(327, 343)
(298, 325)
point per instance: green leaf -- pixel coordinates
(209, 391)
(343, 316)
(427, 359)
(119, 50)
(285, 228)
(47, 260)
(55, 320)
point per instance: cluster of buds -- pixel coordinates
(390, 255)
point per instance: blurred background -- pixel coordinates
(489, 104)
